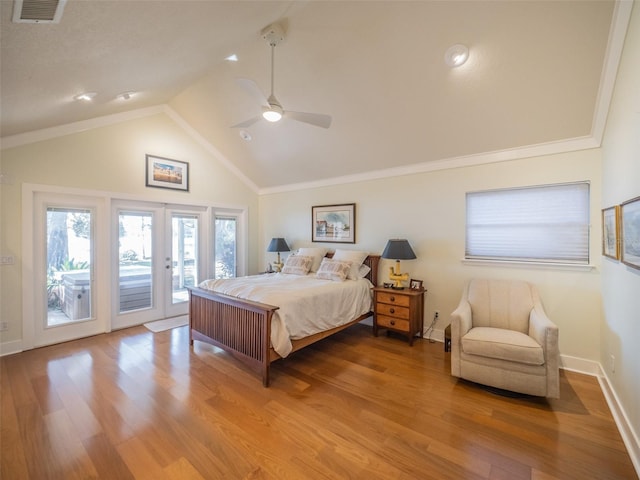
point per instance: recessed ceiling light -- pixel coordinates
(85, 97)
(126, 95)
(232, 58)
(456, 55)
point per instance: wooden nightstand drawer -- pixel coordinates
(393, 298)
(393, 310)
(395, 323)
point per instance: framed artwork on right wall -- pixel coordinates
(630, 232)
(611, 232)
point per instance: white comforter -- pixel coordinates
(308, 305)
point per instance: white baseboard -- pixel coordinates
(629, 436)
(9, 348)
(580, 365)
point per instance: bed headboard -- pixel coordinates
(372, 262)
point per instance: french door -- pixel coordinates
(63, 303)
(100, 263)
(158, 256)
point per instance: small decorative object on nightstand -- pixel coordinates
(399, 310)
(278, 245)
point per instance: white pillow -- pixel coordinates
(297, 265)
(333, 270)
(356, 258)
(317, 253)
(363, 270)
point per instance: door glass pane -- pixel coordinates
(184, 250)
(225, 245)
(69, 254)
(135, 277)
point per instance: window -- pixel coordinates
(69, 243)
(225, 246)
(548, 223)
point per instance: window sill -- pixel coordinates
(537, 265)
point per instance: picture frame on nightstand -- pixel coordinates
(415, 284)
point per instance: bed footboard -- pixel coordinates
(240, 327)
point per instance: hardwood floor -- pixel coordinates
(137, 405)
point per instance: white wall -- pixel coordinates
(429, 210)
(620, 329)
(108, 159)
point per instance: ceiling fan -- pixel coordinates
(272, 110)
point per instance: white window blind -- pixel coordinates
(547, 223)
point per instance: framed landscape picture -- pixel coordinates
(334, 223)
(630, 233)
(167, 173)
(611, 232)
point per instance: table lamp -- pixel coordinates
(278, 245)
(398, 249)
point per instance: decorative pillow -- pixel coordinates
(333, 270)
(355, 257)
(363, 270)
(297, 265)
(316, 252)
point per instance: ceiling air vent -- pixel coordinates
(38, 11)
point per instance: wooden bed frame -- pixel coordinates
(243, 328)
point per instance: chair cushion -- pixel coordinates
(502, 344)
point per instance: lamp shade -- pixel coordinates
(398, 249)
(278, 245)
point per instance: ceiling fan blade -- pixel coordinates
(316, 119)
(247, 123)
(252, 88)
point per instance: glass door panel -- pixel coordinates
(135, 260)
(69, 245)
(225, 246)
(184, 255)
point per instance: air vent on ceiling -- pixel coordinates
(38, 11)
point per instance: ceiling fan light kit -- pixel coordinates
(272, 110)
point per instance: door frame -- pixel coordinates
(34, 202)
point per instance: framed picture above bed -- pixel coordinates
(334, 223)
(611, 232)
(630, 233)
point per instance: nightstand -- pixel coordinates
(399, 310)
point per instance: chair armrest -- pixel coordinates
(545, 332)
(461, 319)
(460, 324)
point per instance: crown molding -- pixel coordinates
(76, 127)
(209, 147)
(549, 148)
(617, 33)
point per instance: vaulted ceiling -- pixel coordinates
(534, 77)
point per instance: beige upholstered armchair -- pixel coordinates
(501, 337)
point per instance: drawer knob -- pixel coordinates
(392, 310)
(392, 298)
(392, 322)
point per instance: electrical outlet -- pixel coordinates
(436, 314)
(612, 363)
(4, 326)
(6, 260)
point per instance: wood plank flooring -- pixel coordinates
(137, 405)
